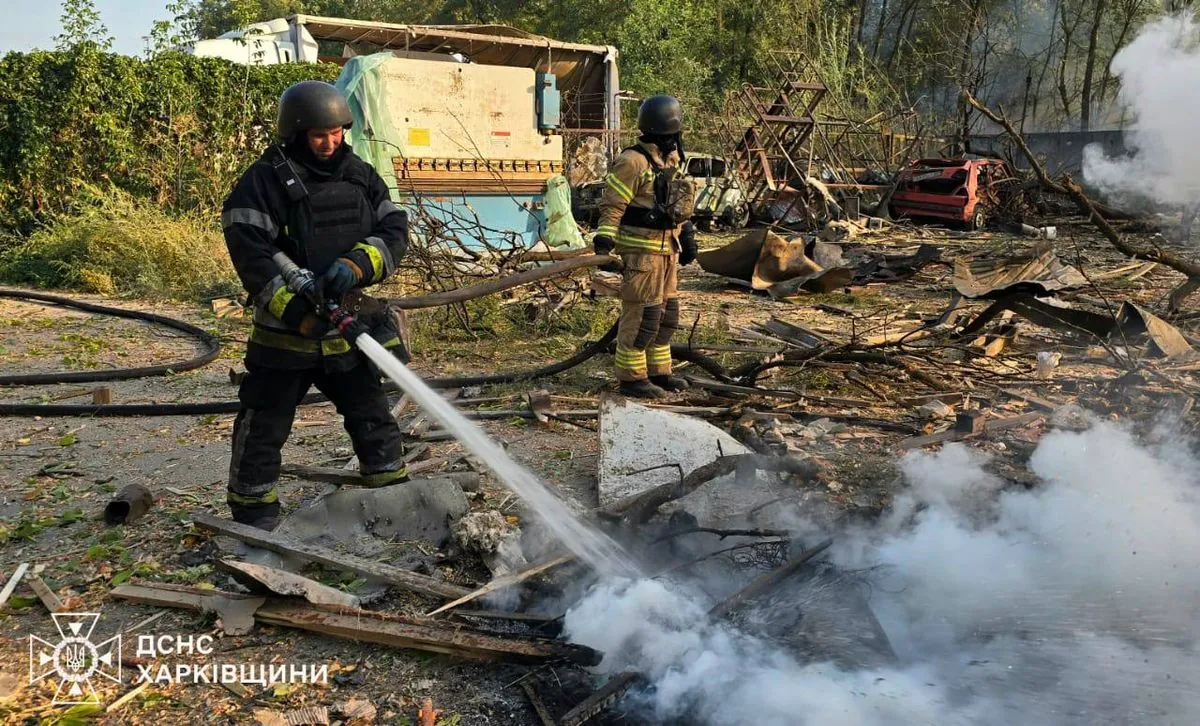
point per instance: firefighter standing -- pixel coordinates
(329, 211)
(644, 216)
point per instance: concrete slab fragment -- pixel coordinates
(636, 438)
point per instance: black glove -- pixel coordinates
(340, 278)
(687, 244)
(603, 244)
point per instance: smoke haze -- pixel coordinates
(1075, 602)
(1159, 72)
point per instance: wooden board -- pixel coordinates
(235, 610)
(282, 582)
(372, 627)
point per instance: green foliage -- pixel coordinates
(81, 25)
(174, 129)
(116, 244)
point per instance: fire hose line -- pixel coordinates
(212, 349)
(585, 353)
(210, 344)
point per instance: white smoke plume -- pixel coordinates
(1075, 602)
(1159, 72)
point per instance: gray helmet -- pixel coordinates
(311, 105)
(660, 116)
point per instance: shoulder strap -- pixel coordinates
(286, 174)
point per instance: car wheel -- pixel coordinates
(978, 219)
(736, 218)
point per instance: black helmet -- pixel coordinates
(660, 116)
(311, 105)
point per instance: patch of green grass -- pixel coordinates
(189, 575)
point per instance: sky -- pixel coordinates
(29, 25)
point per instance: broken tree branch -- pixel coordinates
(500, 583)
(1095, 212)
(641, 507)
(723, 533)
(491, 287)
(766, 580)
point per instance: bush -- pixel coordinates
(176, 129)
(117, 244)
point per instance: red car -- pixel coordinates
(958, 190)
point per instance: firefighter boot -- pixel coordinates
(669, 382)
(262, 516)
(641, 389)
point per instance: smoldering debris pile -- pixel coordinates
(1070, 603)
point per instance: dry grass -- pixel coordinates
(118, 245)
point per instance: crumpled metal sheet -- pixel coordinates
(1040, 272)
(779, 260)
(1135, 321)
(1132, 323)
(767, 261)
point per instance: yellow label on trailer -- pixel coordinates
(418, 137)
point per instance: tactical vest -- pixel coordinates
(325, 218)
(674, 198)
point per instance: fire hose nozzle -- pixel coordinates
(300, 281)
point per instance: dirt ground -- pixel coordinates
(56, 474)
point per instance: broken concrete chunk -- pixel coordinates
(642, 448)
(417, 510)
(935, 410)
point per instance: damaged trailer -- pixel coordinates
(466, 123)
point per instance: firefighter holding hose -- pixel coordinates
(645, 217)
(312, 199)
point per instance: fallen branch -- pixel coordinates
(500, 583)
(765, 581)
(1095, 212)
(747, 375)
(723, 533)
(491, 287)
(641, 507)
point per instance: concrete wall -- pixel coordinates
(1062, 150)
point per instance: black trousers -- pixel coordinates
(269, 397)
